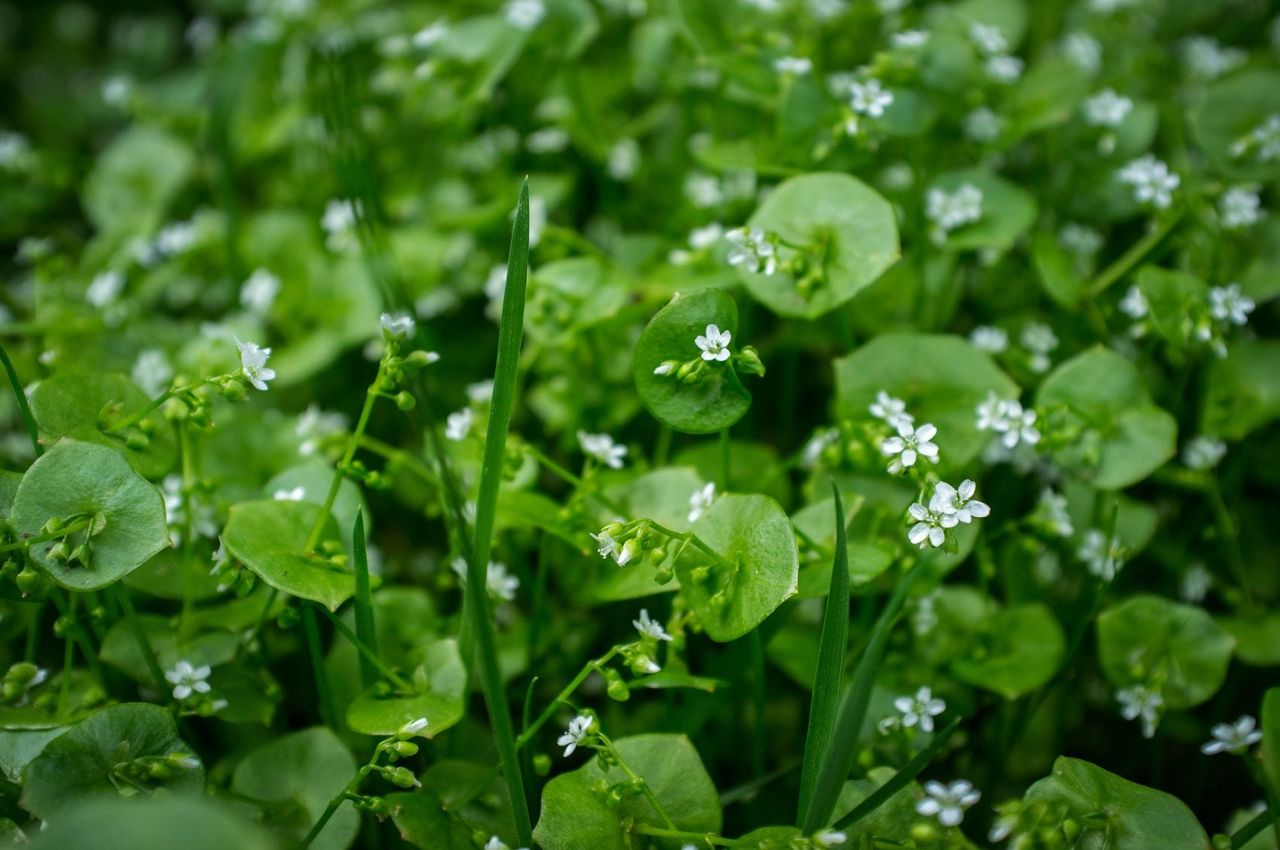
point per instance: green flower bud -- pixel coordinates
(404, 778)
(542, 764)
(405, 401)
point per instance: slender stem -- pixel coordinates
(353, 442)
(690, 537)
(338, 800)
(23, 407)
(1230, 535)
(140, 635)
(563, 697)
(66, 531)
(367, 653)
(1261, 776)
(365, 629)
(394, 455)
(81, 636)
(681, 835)
(638, 781)
(148, 408)
(65, 690)
(1130, 258)
(188, 516)
(564, 474)
(315, 652)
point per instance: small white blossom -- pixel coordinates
(703, 190)
(1134, 304)
(104, 289)
(1139, 701)
(187, 679)
(1082, 50)
(891, 410)
(1052, 511)
(458, 424)
(1152, 181)
(927, 528)
(480, 391)
(988, 38)
(1102, 560)
(1208, 59)
(649, 627)
(921, 708)
(259, 292)
(15, 149)
(1008, 420)
(1004, 69)
(751, 250)
(152, 371)
(957, 504)
(714, 343)
(578, 731)
(398, 325)
(602, 448)
(948, 802)
(1240, 206)
(949, 210)
(908, 444)
(1203, 452)
(314, 425)
(910, 39)
(1264, 139)
(413, 727)
(1039, 339)
(547, 140)
(830, 838)
(430, 35)
(1195, 583)
(253, 364)
(869, 98)
(1080, 240)
(701, 500)
(990, 339)
(794, 65)
(818, 444)
(983, 125)
(701, 238)
(296, 494)
(623, 160)
(498, 582)
(1229, 304)
(338, 221)
(525, 14)
(1107, 109)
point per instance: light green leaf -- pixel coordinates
(120, 647)
(270, 536)
(1226, 112)
(424, 822)
(1175, 299)
(192, 823)
(133, 182)
(1270, 715)
(440, 682)
(1244, 389)
(1015, 651)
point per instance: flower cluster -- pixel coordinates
(948, 507)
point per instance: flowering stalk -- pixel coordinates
(24, 407)
(562, 698)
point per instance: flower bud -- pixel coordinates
(749, 361)
(404, 778)
(405, 401)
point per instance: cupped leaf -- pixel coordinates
(840, 226)
(108, 753)
(1244, 389)
(1135, 817)
(576, 814)
(941, 378)
(708, 405)
(1124, 436)
(439, 682)
(1151, 639)
(1227, 112)
(423, 821)
(270, 538)
(1015, 651)
(1007, 211)
(81, 482)
(300, 774)
(757, 570)
(120, 647)
(82, 405)
(192, 823)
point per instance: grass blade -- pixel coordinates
(364, 604)
(510, 335)
(830, 672)
(21, 397)
(838, 759)
(901, 779)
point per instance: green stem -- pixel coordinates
(567, 476)
(150, 406)
(724, 460)
(365, 629)
(66, 531)
(188, 516)
(338, 799)
(562, 698)
(637, 781)
(1230, 535)
(140, 635)
(21, 397)
(367, 653)
(81, 637)
(68, 648)
(681, 835)
(1130, 258)
(353, 442)
(1261, 776)
(315, 652)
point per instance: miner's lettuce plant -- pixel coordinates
(638, 425)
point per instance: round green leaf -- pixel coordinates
(160, 823)
(134, 180)
(1227, 112)
(105, 752)
(270, 536)
(300, 774)
(1150, 637)
(1007, 211)
(576, 816)
(851, 228)
(424, 822)
(1014, 652)
(662, 496)
(120, 647)
(942, 379)
(440, 682)
(69, 404)
(761, 571)
(1244, 389)
(75, 480)
(314, 480)
(704, 407)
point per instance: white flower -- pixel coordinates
(398, 325)
(797, 65)
(1265, 139)
(1107, 109)
(666, 367)
(152, 371)
(607, 547)
(830, 838)
(1080, 240)
(547, 140)
(1229, 304)
(259, 292)
(1083, 51)
(105, 288)
(988, 38)
(1007, 419)
(1140, 702)
(1101, 560)
(480, 391)
(948, 802)
(116, 89)
(910, 39)
(990, 339)
(869, 98)
(949, 210)
(297, 494)
(701, 500)
(921, 708)
(314, 425)
(927, 528)
(338, 220)
(430, 35)
(1052, 510)
(703, 190)
(14, 148)
(498, 582)
(650, 628)
(1039, 339)
(1135, 304)
(579, 729)
(701, 238)
(1203, 452)
(957, 504)
(187, 679)
(624, 159)
(891, 410)
(1152, 181)
(253, 364)
(524, 14)
(1239, 207)
(751, 250)
(1195, 583)
(413, 727)
(910, 443)
(818, 444)
(983, 125)
(458, 424)
(602, 448)
(1207, 59)
(1004, 69)
(175, 238)
(714, 344)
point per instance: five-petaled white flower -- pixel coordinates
(830, 838)
(927, 528)
(1135, 304)
(752, 250)
(253, 364)
(988, 38)
(1004, 69)
(1239, 207)
(650, 628)
(105, 288)
(296, 494)
(1234, 738)
(398, 325)
(715, 343)
(921, 708)
(1107, 109)
(869, 98)
(891, 410)
(1103, 560)
(910, 443)
(1203, 452)
(1152, 181)
(413, 727)
(948, 802)
(1229, 304)
(525, 14)
(579, 729)
(188, 680)
(990, 339)
(949, 210)
(259, 291)
(1140, 701)
(458, 424)
(957, 504)
(795, 65)
(602, 448)
(1007, 419)
(701, 500)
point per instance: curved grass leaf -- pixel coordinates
(899, 780)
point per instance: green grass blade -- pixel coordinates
(510, 335)
(365, 630)
(830, 672)
(901, 779)
(838, 759)
(21, 396)
(1251, 830)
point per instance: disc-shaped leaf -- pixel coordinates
(120, 647)
(844, 226)
(1227, 112)
(942, 379)
(270, 538)
(424, 822)
(1015, 651)
(107, 751)
(192, 823)
(439, 681)
(300, 774)
(1150, 637)
(704, 407)
(312, 481)
(82, 481)
(1007, 210)
(575, 815)
(76, 404)
(759, 571)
